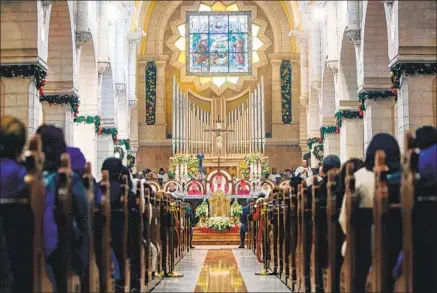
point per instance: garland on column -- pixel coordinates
(313, 140)
(125, 142)
(374, 95)
(327, 130)
(150, 92)
(119, 153)
(306, 156)
(34, 71)
(89, 120)
(318, 151)
(346, 114)
(109, 131)
(286, 93)
(130, 161)
(71, 99)
(410, 69)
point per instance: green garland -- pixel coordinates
(399, 69)
(306, 156)
(125, 142)
(130, 161)
(34, 71)
(318, 151)
(346, 114)
(150, 92)
(109, 131)
(374, 95)
(71, 99)
(89, 120)
(327, 130)
(286, 93)
(119, 150)
(312, 140)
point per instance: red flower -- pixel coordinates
(361, 113)
(320, 140)
(337, 130)
(100, 130)
(43, 82)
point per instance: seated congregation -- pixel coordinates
(61, 231)
(358, 227)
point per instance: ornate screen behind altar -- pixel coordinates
(219, 43)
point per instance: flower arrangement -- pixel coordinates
(236, 209)
(218, 223)
(191, 162)
(202, 210)
(253, 159)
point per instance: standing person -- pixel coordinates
(192, 218)
(6, 278)
(243, 221)
(162, 177)
(53, 144)
(303, 171)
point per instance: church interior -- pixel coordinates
(218, 146)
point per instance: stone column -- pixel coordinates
(302, 40)
(105, 149)
(351, 134)
(103, 48)
(415, 105)
(60, 115)
(160, 95)
(20, 99)
(276, 94)
(378, 117)
(331, 144)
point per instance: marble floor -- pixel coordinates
(220, 269)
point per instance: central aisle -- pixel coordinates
(220, 269)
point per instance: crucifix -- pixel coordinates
(218, 133)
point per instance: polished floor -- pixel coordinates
(220, 269)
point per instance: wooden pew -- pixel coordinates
(91, 280)
(387, 236)
(287, 236)
(103, 239)
(66, 278)
(124, 261)
(273, 232)
(335, 235)
(146, 235)
(138, 283)
(155, 232)
(318, 210)
(164, 235)
(159, 199)
(25, 214)
(280, 238)
(419, 211)
(251, 225)
(305, 245)
(294, 279)
(357, 260)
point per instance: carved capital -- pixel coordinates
(102, 66)
(332, 65)
(82, 38)
(135, 37)
(354, 35)
(132, 104)
(47, 3)
(120, 88)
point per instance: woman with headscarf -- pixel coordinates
(53, 144)
(15, 272)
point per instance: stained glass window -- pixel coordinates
(218, 43)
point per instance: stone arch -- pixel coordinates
(61, 51)
(88, 78)
(374, 44)
(327, 103)
(89, 103)
(347, 71)
(161, 12)
(108, 99)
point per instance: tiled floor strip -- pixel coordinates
(220, 273)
